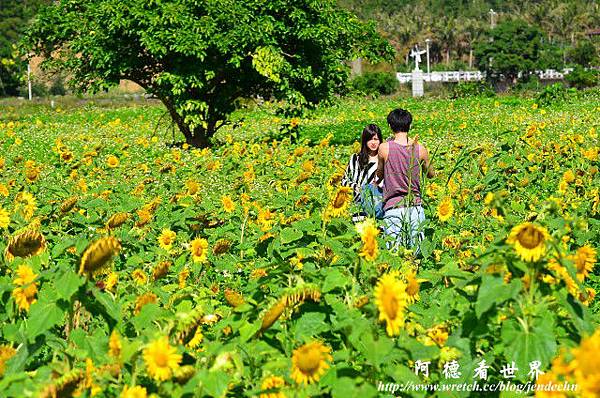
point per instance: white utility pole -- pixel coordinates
(29, 78)
(493, 18)
(428, 68)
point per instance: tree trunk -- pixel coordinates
(448, 56)
(198, 141)
(471, 58)
(197, 138)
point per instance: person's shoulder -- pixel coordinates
(384, 145)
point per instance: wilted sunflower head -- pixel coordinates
(117, 220)
(98, 254)
(25, 244)
(68, 204)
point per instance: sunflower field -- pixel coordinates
(131, 267)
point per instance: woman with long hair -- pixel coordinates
(362, 170)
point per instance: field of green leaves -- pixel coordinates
(131, 267)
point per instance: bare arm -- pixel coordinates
(426, 164)
(382, 157)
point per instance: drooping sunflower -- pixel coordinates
(117, 219)
(166, 239)
(309, 362)
(139, 276)
(445, 209)
(25, 204)
(272, 384)
(199, 249)
(26, 244)
(228, 204)
(182, 277)
(339, 202)
(161, 269)
(584, 260)
(529, 241)
(68, 204)
(141, 301)
(222, 246)
(412, 286)
(134, 392)
(161, 359)
(391, 299)
(98, 254)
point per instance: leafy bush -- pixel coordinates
(472, 89)
(375, 83)
(581, 78)
(555, 93)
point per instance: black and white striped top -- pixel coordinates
(356, 177)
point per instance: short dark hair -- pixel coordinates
(399, 120)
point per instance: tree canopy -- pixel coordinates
(198, 57)
(512, 47)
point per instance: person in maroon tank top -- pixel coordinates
(403, 162)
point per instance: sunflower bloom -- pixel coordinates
(4, 218)
(199, 249)
(228, 204)
(26, 289)
(112, 161)
(6, 353)
(445, 209)
(412, 286)
(133, 392)
(98, 254)
(139, 276)
(587, 365)
(25, 204)
(114, 344)
(391, 299)
(309, 362)
(166, 239)
(339, 202)
(529, 241)
(273, 384)
(584, 260)
(141, 301)
(161, 359)
(368, 234)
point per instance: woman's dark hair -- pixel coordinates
(368, 133)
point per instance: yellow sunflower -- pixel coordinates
(182, 277)
(111, 281)
(412, 286)
(438, 334)
(141, 301)
(199, 249)
(309, 362)
(25, 204)
(26, 244)
(339, 202)
(133, 392)
(228, 204)
(368, 233)
(587, 365)
(98, 254)
(26, 287)
(112, 161)
(445, 209)
(584, 260)
(4, 218)
(117, 220)
(391, 299)
(6, 353)
(529, 241)
(139, 276)
(114, 344)
(166, 239)
(272, 384)
(161, 359)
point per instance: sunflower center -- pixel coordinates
(309, 360)
(412, 287)
(340, 200)
(391, 305)
(530, 237)
(444, 209)
(161, 359)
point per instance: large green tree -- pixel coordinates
(511, 48)
(199, 56)
(14, 16)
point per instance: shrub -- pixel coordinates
(472, 89)
(581, 78)
(555, 93)
(375, 83)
